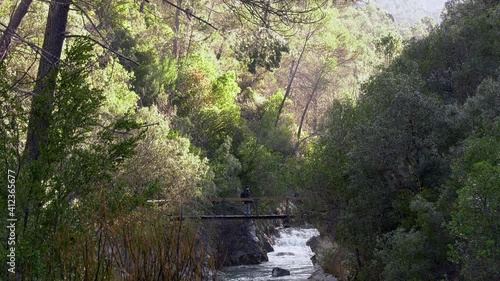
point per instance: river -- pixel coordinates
(290, 253)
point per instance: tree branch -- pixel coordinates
(189, 13)
(284, 11)
(14, 23)
(102, 45)
(33, 46)
(292, 77)
(105, 45)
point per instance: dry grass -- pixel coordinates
(141, 245)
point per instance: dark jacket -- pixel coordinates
(246, 194)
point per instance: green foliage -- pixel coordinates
(362, 27)
(153, 121)
(474, 223)
(263, 152)
(111, 145)
(264, 49)
(389, 46)
(277, 138)
(167, 165)
(387, 182)
(139, 37)
(213, 126)
(262, 169)
(114, 80)
(153, 76)
(460, 54)
(394, 157)
(212, 115)
(405, 256)
(430, 220)
(194, 82)
(482, 110)
(12, 124)
(224, 91)
(79, 157)
(226, 168)
(75, 103)
(325, 172)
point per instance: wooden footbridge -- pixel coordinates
(224, 204)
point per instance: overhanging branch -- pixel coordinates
(105, 45)
(102, 45)
(189, 13)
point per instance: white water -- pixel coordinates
(290, 253)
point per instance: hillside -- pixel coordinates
(412, 11)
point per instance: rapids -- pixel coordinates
(290, 253)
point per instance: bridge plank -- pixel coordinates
(251, 198)
(229, 217)
(220, 199)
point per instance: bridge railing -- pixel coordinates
(255, 201)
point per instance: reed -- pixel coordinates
(141, 245)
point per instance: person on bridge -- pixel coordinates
(246, 194)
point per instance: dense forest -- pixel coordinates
(391, 134)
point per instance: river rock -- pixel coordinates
(320, 244)
(280, 254)
(278, 272)
(320, 275)
(266, 243)
(314, 243)
(314, 260)
(240, 244)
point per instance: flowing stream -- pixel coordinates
(290, 253)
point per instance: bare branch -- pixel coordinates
(110, 129)
(105, 45)
(102, 45)
(292, 76)
(269, 12)
(189, 13)
(23, 91)
(20, 38)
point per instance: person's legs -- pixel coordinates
(247, 209)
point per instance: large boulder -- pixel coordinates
(330, 255)
(278, 272)
(240, 244)
(314, 243)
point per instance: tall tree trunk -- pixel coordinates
(292, 77)
(177, 29)
(14, 23)
(41, 107)
(311, 97)
(265, 18)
